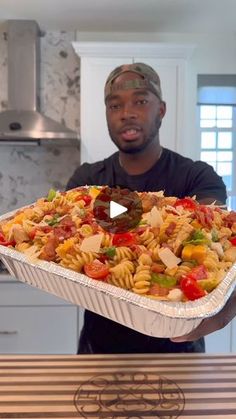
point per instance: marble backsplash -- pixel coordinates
(26, 171)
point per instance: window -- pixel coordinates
(217, 116)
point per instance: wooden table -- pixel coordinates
(118, 387)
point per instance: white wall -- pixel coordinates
(213, 54)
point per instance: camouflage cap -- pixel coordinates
(149, 79)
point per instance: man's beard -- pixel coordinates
(130, 149)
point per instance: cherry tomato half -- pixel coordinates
(96, 270)
(233, 241)
(191, 289)
(186, 203)
(124, 239)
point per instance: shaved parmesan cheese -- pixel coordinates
(92, 243)
(32, 253)
(168, 257)
(155, 217)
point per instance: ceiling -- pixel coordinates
(191, 16)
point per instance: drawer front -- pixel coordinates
(20, 294)
(38, 330)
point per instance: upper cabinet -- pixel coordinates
(99, 59)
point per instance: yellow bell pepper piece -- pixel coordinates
(187, 252)
(94, 192)
(63, 248)
(199, 253)
(18, 219)
(196, 224)
(192, 252)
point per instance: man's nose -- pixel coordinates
(128, 112)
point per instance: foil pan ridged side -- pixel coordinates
(148, 316)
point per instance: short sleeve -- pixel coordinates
(206, 183)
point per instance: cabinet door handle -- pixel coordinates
(8, 332)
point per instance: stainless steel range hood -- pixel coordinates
(23, 121)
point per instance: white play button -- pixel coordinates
(116, 209)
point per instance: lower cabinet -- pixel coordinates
(34, 322)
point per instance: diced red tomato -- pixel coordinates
(124, 239)
(86, 198)
(187, 203)
(33, 233)
(103, 258)
(191, 288)
(233, 241)
(5, 242)
(2, 238)
(96, 270)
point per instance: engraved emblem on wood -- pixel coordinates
(133, 395)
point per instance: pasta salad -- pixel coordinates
(179, 251)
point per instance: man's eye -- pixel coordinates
(114, 107)
(142, 102)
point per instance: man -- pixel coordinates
(134, 112)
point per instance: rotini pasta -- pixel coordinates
(121, 274)
(123, 252)
(142, 279)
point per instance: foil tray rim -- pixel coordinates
(205, 307)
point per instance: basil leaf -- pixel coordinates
(51, 194)
(109, 251)
(198, 237)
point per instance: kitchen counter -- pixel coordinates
(185, 386)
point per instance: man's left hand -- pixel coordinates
(213, 323)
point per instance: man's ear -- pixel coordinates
(162, 109)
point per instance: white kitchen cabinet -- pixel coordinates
(35, 322)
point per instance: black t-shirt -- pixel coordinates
(176, 176)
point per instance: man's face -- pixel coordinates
(133, 116)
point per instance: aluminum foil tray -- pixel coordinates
(148, 316)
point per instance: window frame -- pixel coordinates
(231, 193)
